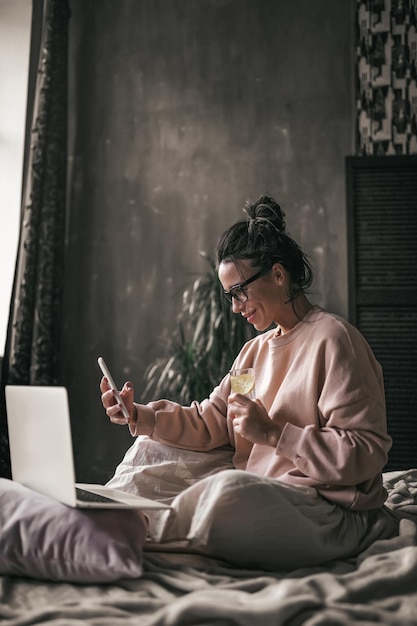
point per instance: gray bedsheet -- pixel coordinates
(379, 587)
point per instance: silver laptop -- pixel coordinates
(41, 451)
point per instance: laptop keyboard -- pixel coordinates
(88, 496)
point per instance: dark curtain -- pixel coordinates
(32, 353)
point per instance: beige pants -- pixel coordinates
(241, 517)
(259, 522)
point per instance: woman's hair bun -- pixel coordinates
(262, 239)
(267, 211)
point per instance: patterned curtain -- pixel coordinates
(32, 352)
(386, 72)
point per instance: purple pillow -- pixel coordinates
(42, 538)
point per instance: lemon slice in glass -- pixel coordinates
(243, 383)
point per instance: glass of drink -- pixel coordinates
(243, 381)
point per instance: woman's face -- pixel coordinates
(264, 302)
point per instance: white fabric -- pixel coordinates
(161, 472)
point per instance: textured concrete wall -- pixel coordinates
(180, 111)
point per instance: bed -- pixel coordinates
(176, 585)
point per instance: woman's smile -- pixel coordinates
(249, 316)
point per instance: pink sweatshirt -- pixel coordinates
(322, 384)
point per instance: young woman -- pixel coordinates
(309, 450)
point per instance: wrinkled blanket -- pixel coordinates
(379, 587)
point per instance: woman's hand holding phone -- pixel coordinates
(117, 407)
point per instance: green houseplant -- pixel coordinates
(203, 346)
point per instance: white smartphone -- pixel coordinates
(102, 364)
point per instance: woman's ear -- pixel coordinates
(278, 273)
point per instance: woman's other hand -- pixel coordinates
(251, 421)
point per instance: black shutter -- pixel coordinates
(382, 247)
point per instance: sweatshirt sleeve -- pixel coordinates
(200, 426)
(349, 444)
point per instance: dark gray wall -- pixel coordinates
(180, 111)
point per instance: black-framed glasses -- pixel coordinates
(238, 292)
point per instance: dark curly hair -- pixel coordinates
(262, 239)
